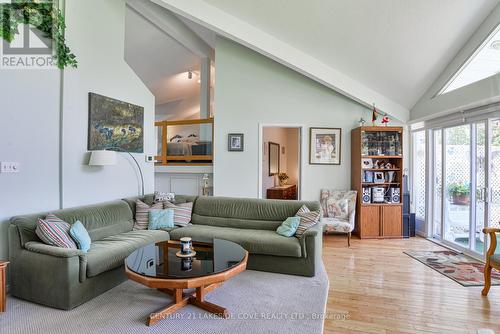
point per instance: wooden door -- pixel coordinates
(392, 218)
(370, 221)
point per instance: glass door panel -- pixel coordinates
(494, 176)
(438, 184)
(419, 174)
(457, 182)
(477, 241)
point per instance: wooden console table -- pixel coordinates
(3, 292)
(288, 191)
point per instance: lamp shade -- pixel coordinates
(102, 158)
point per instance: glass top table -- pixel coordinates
(160, 260)
(157, 266)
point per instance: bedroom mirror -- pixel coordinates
(274, 158)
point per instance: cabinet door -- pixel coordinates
(392, 221)
(370, 221)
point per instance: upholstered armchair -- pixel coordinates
(492, 259)
(339, 210)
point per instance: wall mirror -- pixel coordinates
(274, 158)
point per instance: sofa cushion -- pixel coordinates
(110, 252)
(55, 232)
(246, 213)
(182, 212)
(142, 214)
(254, 241)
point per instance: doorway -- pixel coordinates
(280, 162)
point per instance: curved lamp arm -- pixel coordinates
(114, 148)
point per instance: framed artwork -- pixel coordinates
(274, 158)
(114, 123)
(235, 142)
(325, 146)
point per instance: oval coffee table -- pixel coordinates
(156, 266)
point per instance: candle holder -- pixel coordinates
(186, 245)
(186, 248)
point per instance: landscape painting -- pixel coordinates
(115, 124)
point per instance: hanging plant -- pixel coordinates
(45, 17)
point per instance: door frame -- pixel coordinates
(302, 158)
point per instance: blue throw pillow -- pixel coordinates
(289, 227)
(82, 238)
(161, 219)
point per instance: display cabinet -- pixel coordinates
(377, 176)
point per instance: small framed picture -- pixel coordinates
(235, 142)
(325, 146)
(378, 177)
(366, 163)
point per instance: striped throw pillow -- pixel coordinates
(308, 219)
(182, 212)
(55, 232)
(142, 214)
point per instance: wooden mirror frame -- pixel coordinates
(271, 145)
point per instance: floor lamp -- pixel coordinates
(107, 157)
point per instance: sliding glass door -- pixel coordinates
(465, 176)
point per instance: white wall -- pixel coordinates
(479, 93)
(30, 115)
(253, 89)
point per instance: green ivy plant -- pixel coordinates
(45, 17)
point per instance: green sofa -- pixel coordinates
(63, 278)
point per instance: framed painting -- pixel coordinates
(235, 142)
(115, 124)
(325, 146)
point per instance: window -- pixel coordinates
(484, 63)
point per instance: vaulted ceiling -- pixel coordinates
(390, 50)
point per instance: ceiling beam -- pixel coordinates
(172, 26)
(241, 32)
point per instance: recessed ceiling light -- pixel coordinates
(496, 45)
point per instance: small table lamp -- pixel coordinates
(108, 158)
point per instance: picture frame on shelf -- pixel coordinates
(366, 163)
(378, 177)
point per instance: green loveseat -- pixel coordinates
(64, 278)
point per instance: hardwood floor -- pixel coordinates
(382, 290)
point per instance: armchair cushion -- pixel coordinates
(337, 225)
(338, 203)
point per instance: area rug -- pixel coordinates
(257, 302)
(459, 267)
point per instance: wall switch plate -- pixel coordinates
(9, 167)
(150, 158)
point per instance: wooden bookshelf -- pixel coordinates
(384, 219)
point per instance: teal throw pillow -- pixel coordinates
(289, 227)
(79, 233)
(161, 219)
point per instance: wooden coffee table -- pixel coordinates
(156, 266)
